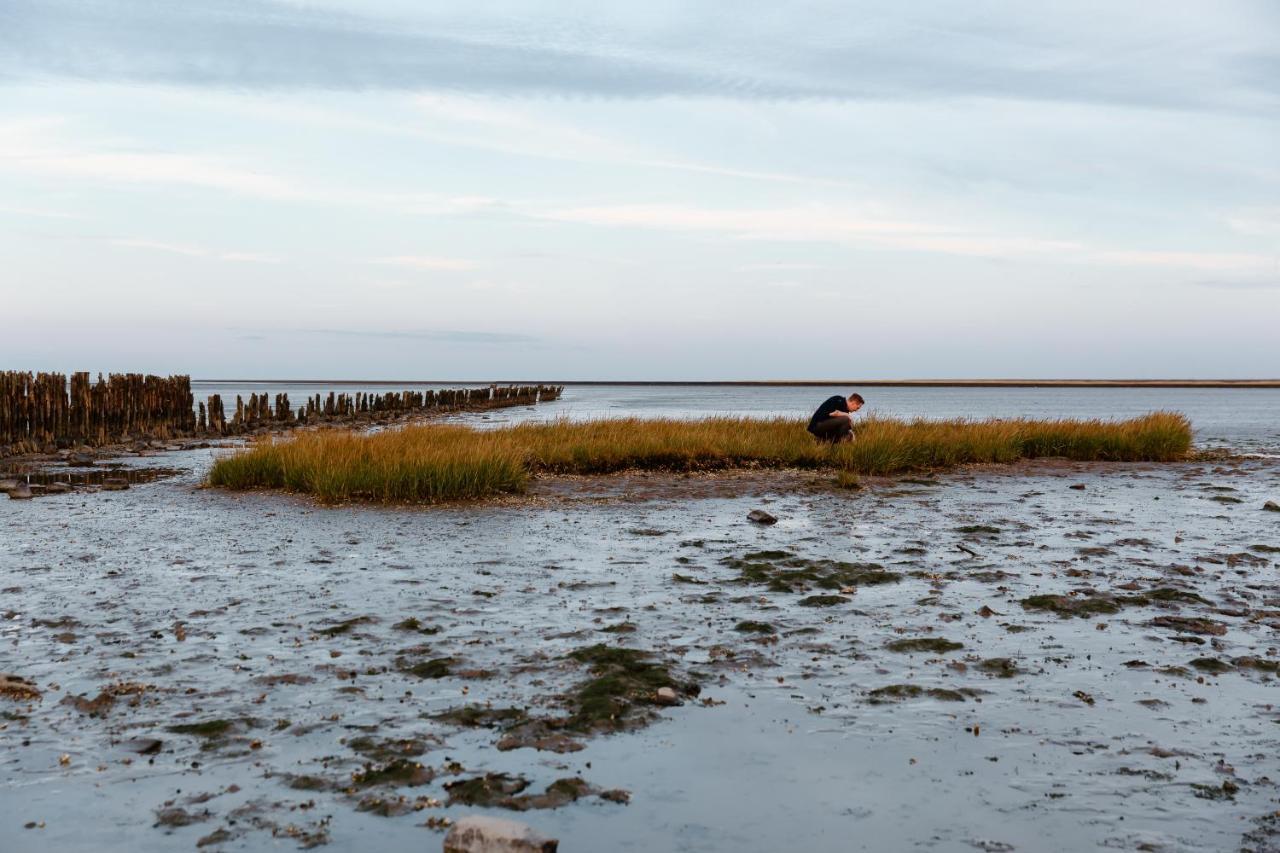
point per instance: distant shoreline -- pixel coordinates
(796, 383)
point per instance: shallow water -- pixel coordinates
(202, 597)
(1245, 419)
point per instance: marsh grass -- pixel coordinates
(436, 462)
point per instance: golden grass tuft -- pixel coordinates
(435, 462)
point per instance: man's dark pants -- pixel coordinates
(832, 429)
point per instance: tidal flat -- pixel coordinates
(1041, 656)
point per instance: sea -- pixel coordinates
(1245, 420)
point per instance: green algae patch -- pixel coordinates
(750, 627)
(491, 789)
(978, 530)
(412, 624)
(213, 729)
(1081, 606)
(999, 667)
(822, 601)
(1260, 664)
(899, 692)
(397, 772)
(623, 686)
(500, 790)
(1167, 594)
(434, 668)
(477, 716)
(345, 626)
(935, 645)
(387, 750)
(782, 571)
(1212, 665)
(310, 783)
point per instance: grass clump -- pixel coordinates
(440, 462)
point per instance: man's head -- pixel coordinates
(855, 402)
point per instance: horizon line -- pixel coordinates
(798, 383)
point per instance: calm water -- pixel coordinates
(1246, 419)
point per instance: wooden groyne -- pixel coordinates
(42, 412)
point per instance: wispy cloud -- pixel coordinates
(450, 336)
(814, 224)
(749, 51)
(191, 251)
(427, 262)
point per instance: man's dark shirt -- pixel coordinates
(833, 404)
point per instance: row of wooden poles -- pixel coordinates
(39, 411)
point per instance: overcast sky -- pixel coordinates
(658, 190)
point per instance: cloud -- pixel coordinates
(449, 336)
(427, 262)
(1115, 53)
(196, 251)
(814, 224)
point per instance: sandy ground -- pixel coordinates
(236, 670)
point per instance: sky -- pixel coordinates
(663, 190)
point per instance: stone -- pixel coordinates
(478, 834)
(8, 484)
(1271, 506)
(667, 696)
(21, 492)
(58, 488)
(759, 516)
(115, 484)
(82, 460)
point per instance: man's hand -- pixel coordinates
(839, 414)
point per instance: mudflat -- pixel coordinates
(1048, 655)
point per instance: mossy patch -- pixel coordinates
(476, 716)
(434, 668)
(822, 601)
(499, 790)
(898, 692)
(210, 729)
(1083, 606)
(345, 626)
(412, 624)
(1212, 665)
(397, 772)
(978, 530)
(491, 789)
(999, 667)
(624, 682)
(934, 645)
(782, 571)
(1260, 664)
(750, 627)
(679, 578)
(387, 750)
(1170, 594)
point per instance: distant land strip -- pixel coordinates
(798, 383)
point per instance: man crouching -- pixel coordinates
(832, 422)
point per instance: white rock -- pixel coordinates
(478, 834)
(667, 696)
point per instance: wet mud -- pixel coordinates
(984, 659)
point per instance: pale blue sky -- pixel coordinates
(701, 190)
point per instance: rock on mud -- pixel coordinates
(759, 516)
(21, 492)
(1269, 506)
(477, 834)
